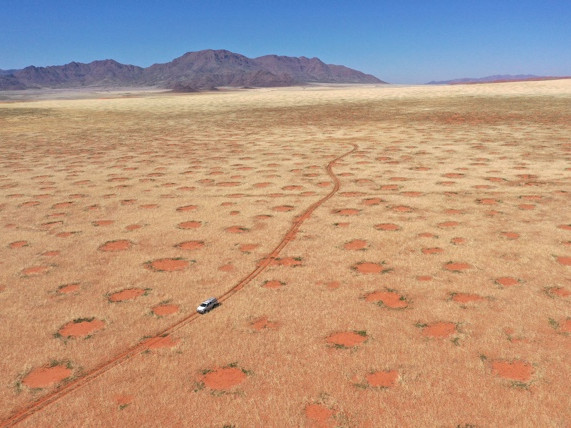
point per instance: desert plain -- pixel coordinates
(384, 256)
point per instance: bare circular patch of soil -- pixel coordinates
(53, 253)
(165, 309)
(439, 329)
(81, 327)
(368, 267)
(448, 224)
(167, 265)
(387, 226)
(127, 294)
(424, 278)
(564, 260)
(287, 261)
(507, 281)
(246, 248)
(372, 201)
(457, 266)
(236, 229)
(319, 415)
(224, 378)
(347, 211)
(466, 297)
(355, 244)
(190, 245)
(283, 208)
(68, 288)
(43, 377)
(98, 223)
(383, 379)
(513, 370)
(187, 208)
(390, 299)
(35, 270)
(434, 250)
(346, 339)
(273, 284)
(18, 244)
(117, 245)
(559, 291)
(403, 209)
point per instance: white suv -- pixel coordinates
(207, 305)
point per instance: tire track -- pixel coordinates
(131, 352)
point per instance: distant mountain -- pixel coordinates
(192, 71)
(494, 79)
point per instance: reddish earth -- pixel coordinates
(319, 415)
(102, 223)
(123, 400)
(466, 297)
(347, 211)
(273, 284)
(347, 339)
(68, 288)
(81, 328)
(236, 229)
(439, 329)
(355, 244)
(187, 208)
(46, 376)
(283, 208)
(387, 226)
(128, 294)
(367, 267)
(513, 370)
(35, 270)
(560, 291)
(190, 245)
(165, 309)
(383, 379)
(18, 244)
(565, 261)
(118, 245)
(507, 281)
(434, 250)
(167, 265)
(390, 299)
(457, 266)
(424, 278)
(246, 248)
(224, 378)
(372, 201)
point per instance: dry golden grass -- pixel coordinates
(475, 178)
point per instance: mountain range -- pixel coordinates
(498, 78)
(193, 71)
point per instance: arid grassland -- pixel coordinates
(385, 256)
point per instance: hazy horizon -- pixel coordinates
(411, 43)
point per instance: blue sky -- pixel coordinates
(400, 41)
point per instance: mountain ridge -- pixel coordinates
(496, 78)
(200, 70)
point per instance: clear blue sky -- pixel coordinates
(400, 41)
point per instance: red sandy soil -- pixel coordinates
(347, 339)
(384, 379)
(513, 370)
(439, 329)
(43, 377)
(390, 299)
(224, 378)
(81, 328)
(434, 219)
